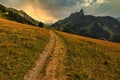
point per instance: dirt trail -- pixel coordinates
(51, 61)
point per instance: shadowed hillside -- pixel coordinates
(18, 16)
(106, 28)
(118, 19)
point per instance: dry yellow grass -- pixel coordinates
(95, 41)
(91, 59)
(85, 58)
(20, 47)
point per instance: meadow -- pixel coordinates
(91, 59)
(84, 58)
(20, 47)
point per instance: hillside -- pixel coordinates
(17, 15)
(118, 19)
(32, 53)
(20, 47)
(106, 28)
(90, 59)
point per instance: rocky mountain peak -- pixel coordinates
(104, 27)
(81, 12)
(77, 14)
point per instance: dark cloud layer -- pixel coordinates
(53, 10)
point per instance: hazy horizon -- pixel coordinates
(49, 11)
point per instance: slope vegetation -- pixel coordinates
(17, 15)
(32, 53)
(20, 47)
(90, 59)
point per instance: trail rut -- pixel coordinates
(51, 61)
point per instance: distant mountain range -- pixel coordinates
(107, 28)
(16, 15)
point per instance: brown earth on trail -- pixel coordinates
(50, 65)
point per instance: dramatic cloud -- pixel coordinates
(52, 10)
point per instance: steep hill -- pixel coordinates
(16, 15)
(106, 28)
(33, 53)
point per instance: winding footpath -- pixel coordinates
(50, 65)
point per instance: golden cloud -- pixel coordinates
(39, 13)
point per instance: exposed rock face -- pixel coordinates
(87, 25)
(81, 13)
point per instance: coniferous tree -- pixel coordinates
(41, 24)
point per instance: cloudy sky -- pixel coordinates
(50, 11)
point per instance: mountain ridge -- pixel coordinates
(17, 15)
(106, 27)
(118, 19)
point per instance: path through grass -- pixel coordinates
(20, 47)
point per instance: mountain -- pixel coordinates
(17, 15)
(106, 27)
(118, 19)
(43, 54)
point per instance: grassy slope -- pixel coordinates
(87, 59)
(20, 46)
(91, 59)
